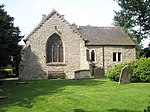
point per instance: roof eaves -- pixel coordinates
(109, 44)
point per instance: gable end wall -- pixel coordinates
(37, 67)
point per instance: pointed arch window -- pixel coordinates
(92, 55)
(87, 55)
(54, 49)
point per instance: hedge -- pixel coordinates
(141, 70)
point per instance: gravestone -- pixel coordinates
(125, 75)
(92, 67)
(82, 74)
(99, 72)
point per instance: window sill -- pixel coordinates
(56, 64)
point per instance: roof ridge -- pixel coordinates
(96, 26)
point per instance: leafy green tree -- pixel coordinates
(9, 38)
(134, 16)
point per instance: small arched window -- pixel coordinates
(87, 55)
(54, 49)
(92, 55)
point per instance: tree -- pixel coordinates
(9, 38)
(146, 52)
(134, 17)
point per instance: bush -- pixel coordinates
(6, 72)
(148, 107)
(141, 70)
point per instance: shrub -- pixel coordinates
(6, 72)
(141, 70)
(148, 107)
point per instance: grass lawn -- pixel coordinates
(91, 95)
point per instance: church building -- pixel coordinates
(57, 48)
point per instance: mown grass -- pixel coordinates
(91, 95)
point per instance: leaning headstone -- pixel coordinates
(125, 75)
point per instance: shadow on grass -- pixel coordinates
(82, 110)
(117, 110)
(24, 95)
(110, 110)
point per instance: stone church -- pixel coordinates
(57, 48)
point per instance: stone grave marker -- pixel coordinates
(125, 75)
(82, 74)
(99, 72)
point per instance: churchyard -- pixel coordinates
(68, 95)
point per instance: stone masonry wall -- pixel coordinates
(37, 66)
(34, 66)
(127, 54)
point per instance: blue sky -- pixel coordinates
(28, 13)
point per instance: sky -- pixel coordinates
(28, 13)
